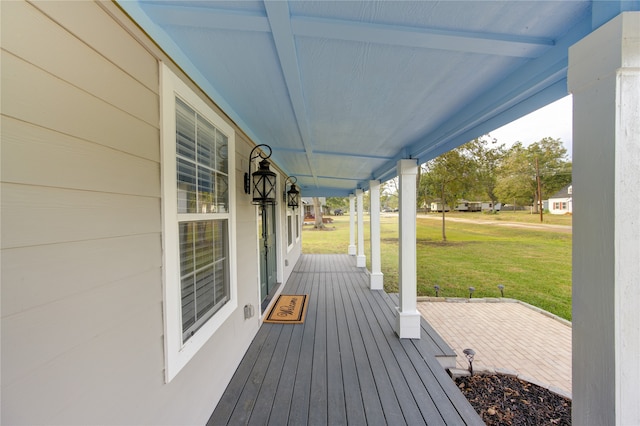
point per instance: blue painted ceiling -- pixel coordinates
(341, 90)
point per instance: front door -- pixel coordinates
(268, 270)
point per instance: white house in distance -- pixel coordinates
(562, 201)
(136, 268)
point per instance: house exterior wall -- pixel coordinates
(560, 205)
(81, 266)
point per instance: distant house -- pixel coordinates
(436, 206)
(307, 202)
(562, 201)
(468, 206)
(488, 206)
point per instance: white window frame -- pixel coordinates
(177, 353)
(291, 230)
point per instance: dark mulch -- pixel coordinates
(506, 400)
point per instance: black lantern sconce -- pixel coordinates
(291, 196)
(262, 182)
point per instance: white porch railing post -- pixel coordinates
(604, 78)
(408, 318)
(352, 225)
(361, 260)
(376, 278)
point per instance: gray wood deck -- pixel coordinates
(345, 364)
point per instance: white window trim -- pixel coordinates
(177, 354)
(293, 229)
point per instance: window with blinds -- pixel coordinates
(203, 223)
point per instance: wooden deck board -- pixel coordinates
(344, 364)
(370, 400)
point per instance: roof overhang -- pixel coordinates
(342, 90)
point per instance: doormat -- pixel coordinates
(288, 309)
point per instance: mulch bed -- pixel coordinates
(507, 400)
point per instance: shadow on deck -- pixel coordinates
(345, 364)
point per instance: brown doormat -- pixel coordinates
(288, 309)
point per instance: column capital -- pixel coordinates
(407, 166)
(616, 49)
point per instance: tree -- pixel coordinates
(488, 157)
(518, 172)
(317, 211)
(337, 203)
(448, 178)
(389, 194)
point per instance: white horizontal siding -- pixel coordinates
(33, 95)
(57, 50)
(52, 215)
(82, 321)
(81, 259)
(92, 26)
(45, 157)
(33, 276)
(57, 329)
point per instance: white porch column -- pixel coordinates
(352, 225)
(361, 260)
(376, 277)
(408, 318)
(604, 77)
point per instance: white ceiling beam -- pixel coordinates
(500, 104)
(279, 20)
(459, 41)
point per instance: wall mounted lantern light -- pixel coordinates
(262, 182)
(291, 196)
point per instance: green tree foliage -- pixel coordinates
(517, 177)
(448, 178)
(389, 194)
(488, 156)
(337, 203)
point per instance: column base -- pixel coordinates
(408, 324)
(361, 261)
(352, 250)
(376, 281)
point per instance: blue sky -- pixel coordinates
(554, 120)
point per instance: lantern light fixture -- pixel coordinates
(291, 196)
(262, 182)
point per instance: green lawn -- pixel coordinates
(534, 266)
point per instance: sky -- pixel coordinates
(554, 120)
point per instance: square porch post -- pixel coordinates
(361, 260)
(408, 318)
(604, 77)
(352, 225)
(376, 277)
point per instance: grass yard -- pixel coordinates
(533, 265)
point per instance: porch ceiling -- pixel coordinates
(341, 90)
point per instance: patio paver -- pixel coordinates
(506, 335)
